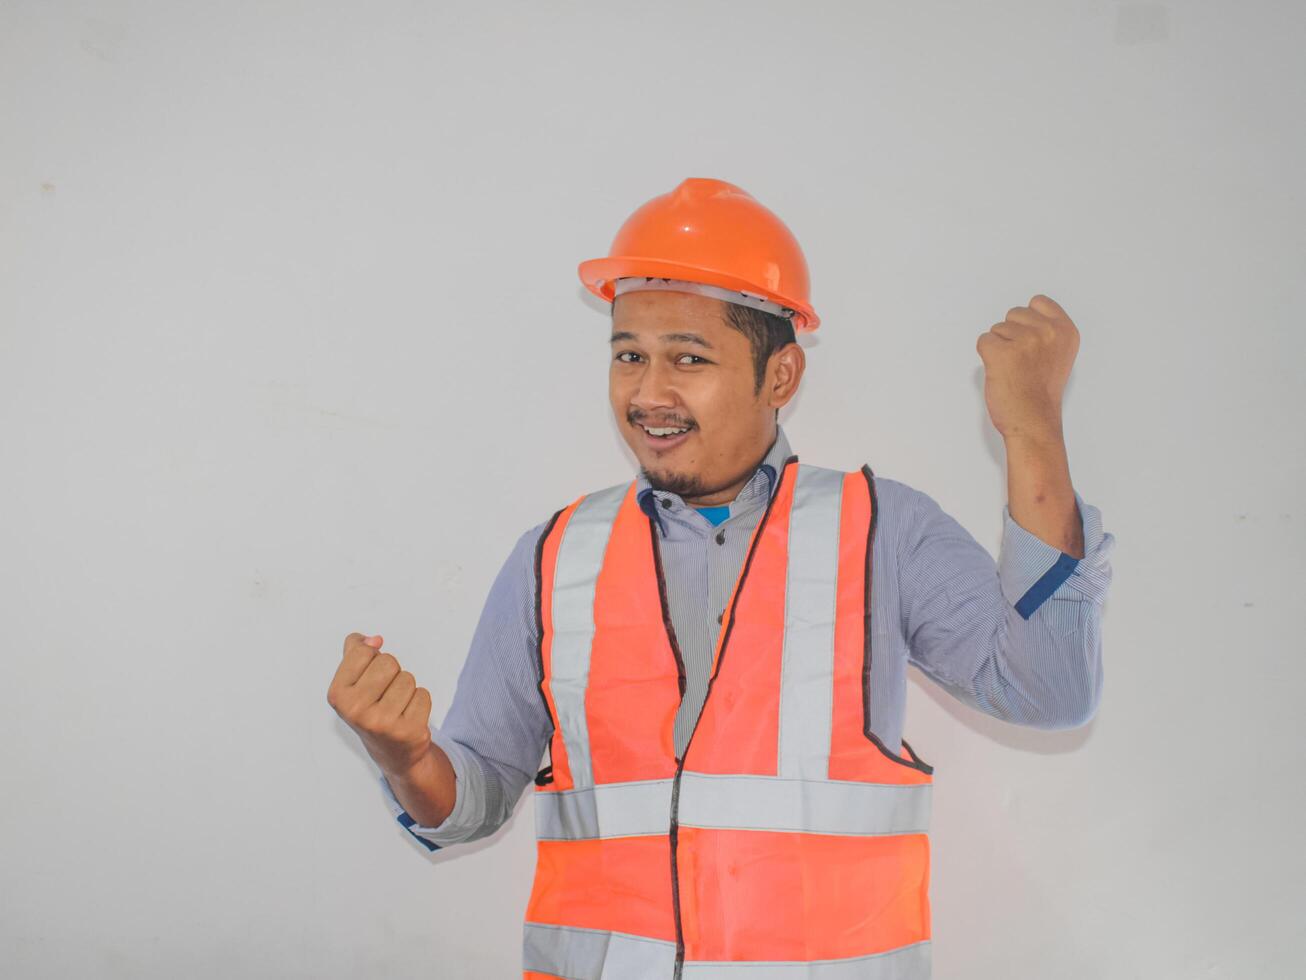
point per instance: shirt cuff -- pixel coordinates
(1031, 571)
(461, 820)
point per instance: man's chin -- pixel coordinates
(681, 484)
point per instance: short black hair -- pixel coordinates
(766, 334)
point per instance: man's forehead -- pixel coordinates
(654, 302)
(666, 316)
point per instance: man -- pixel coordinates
(714, 655)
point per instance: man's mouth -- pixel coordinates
(663, 437)
(664, 431)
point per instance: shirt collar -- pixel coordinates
(760, 485)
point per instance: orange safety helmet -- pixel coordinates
(708, 231)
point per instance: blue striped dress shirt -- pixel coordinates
(1019, 639)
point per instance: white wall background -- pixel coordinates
(292, 344)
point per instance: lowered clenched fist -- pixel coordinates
(383, 704)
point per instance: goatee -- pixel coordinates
(682, 484)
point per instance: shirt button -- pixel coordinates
(666, 502)
(721, 537)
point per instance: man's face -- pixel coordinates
(677, 365)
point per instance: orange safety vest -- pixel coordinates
(788, 842)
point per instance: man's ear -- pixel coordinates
(783, 373)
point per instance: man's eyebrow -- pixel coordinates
(684, 338)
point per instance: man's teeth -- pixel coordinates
(661, 431)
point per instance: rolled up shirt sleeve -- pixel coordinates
(475, 792)
(1020, 638)
(1032, 571)
(497, 727)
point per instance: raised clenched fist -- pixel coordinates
(1027, 359)
(383, 704)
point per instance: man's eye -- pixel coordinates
(695, 357)
(624, 354)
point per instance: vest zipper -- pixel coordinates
(674, 833)
(675, 784)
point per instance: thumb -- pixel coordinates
(369, 641)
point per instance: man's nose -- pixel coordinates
(654, 390)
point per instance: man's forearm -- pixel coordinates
(427, 790)
(1039, 493)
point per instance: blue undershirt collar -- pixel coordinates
(715, 514)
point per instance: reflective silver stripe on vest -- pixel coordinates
(734, 802)
(807, 805)
(807, 670)
(608, 810)
(904, 963)
(592, 954)
(580, 555)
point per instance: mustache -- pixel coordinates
(635, 417)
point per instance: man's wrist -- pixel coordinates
(1036, 439)
(426, 788)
